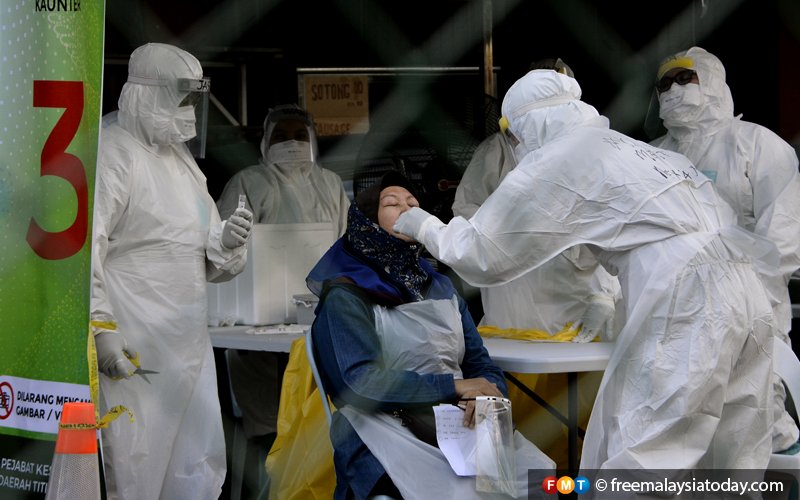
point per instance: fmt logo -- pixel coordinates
(565, 484)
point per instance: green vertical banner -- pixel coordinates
(51, 67)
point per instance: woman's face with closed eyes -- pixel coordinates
(393, 201)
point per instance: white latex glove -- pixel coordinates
(113, 355)
(411, 222)
(595, 320)
(237, 229)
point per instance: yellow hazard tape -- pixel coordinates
(94, 387)
(102, 423)
(565, 335)
(77, 427)
(113, 414)
(91, 354)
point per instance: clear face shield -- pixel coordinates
(675, 70)
(507, 134)
(285, 125)
(653, 126)
(511, 140)
(197, 90)
(556, 65)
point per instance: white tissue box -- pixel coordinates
(279, 257)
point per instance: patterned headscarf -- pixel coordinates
(389, 269)
(398, 259)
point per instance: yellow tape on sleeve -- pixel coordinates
(102, 326)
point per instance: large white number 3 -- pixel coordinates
(56, 161)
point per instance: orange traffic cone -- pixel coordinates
(75, 473)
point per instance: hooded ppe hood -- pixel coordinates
(544, 104)
(283, 112)
(149, 102)
(716, 108)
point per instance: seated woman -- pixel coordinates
(392, 334)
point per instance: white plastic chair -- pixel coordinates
(787, 367)
(310, 354)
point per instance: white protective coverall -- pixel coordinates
(291, 191)
(282, 192)
(691, 367)
(753, 169)
(551, 295)
(157, 238)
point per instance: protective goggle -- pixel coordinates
(197, 88)
(504, 128)
(681, 78)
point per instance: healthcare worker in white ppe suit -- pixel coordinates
(753, 169)
(691, 367)
(157, 238)
(287, 186)
(571, 288)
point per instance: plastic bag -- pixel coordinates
(300, 462)
(532, 419)
(494, 452)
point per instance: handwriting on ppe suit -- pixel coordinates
(681, 174)
(657, 156)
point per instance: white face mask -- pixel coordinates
(289, 151)
(184, 122)
(174, 129)
(680, 104)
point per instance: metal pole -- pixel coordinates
(243, 93)
(489, 85)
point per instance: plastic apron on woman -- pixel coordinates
(426, 337)
(691, 366)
